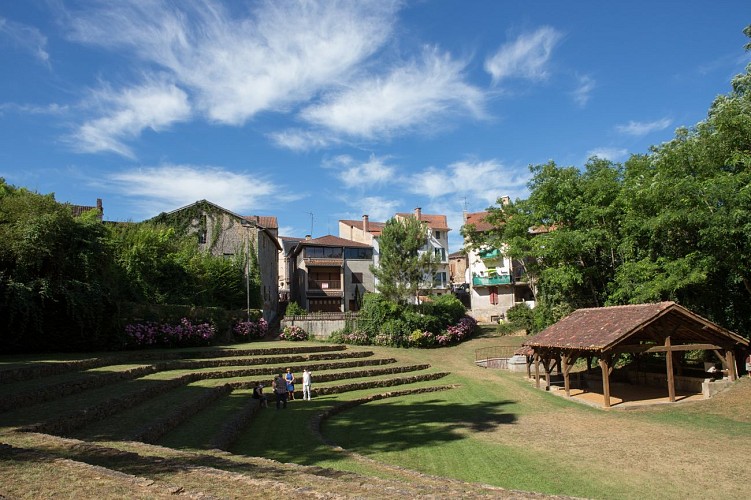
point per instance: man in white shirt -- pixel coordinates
(306, 380)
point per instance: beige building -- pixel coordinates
(496, 282)
(225, 233)
(331, 274)
(368, 232)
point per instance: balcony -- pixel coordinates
(492, 254)
(325, 288)
(491, 280)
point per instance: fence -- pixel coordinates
(321, 325)
(495, 356)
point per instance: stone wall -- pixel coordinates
(319, 327)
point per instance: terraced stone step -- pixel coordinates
(46, 369)
(89, 381)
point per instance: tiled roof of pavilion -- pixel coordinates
(601, 328)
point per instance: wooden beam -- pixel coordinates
(651, 348)
(537, 370)
(605, 381)
(566, 368)
(671, 377)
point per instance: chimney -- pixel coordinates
(307, 237)
(99, 205)
(418, 213)
(365, 224)
(505, 200)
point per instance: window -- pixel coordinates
(356, 278)
(358, 253)
(323, 253)
(440, 254)
(202, 237)
(439, 279)
(493, 290)
(438, 235)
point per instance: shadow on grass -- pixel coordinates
(396, 426)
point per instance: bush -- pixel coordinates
(521, 316)
(421, 338)
(376, 311)
(248, 330)
(446, 308)
(294, 309)
(294, 333)
(185, 334)
(356, 338)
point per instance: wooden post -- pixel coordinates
(537, 370)
(529, 365)
(605, 380)
(730, 356)
(669, 363)
(567, 360)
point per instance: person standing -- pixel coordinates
(280, 391)
(306, 380)
(290, 378)
(259, 395)
(748, 365)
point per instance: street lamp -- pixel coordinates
(247, 225)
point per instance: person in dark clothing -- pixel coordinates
(259, 395)
(280, 390)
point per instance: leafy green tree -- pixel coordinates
(56, 275)
(404, 266)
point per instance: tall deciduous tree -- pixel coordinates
(403, 269)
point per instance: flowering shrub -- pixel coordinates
(458, 332)
(185, 334)
(293, 332)
(419, 338)
(357, 338)
(248, 330)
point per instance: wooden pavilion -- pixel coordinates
(606, 332)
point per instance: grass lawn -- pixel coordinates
(494, 428)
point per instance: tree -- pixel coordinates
(55, 276)
(403, 269)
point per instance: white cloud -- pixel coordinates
(526, 57)
(478, 181)
(302, 140)
(168, 187)
(154, 105)
(33, 109)
(644, 128)
(408, 96)
(238, 64)
(584, 90)
(365, 175)
(377, 208)
(612, 154)
(25, 37)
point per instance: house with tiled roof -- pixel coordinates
(225, 233)
(496, 282)
(331, 274)
(367, 231)
(78, 210)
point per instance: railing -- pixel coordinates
(495, 352)
(490, 254)
(324, 285)
(504, 279)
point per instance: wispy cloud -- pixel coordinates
(167, 187)
(586, 84)
(643, 128)
(408, 96)
(123, 114)
(526, 57)
(476, 180)
(33, 109)
(240, 64)
(377, 208)
(612, 154)
(372, 173)
(302, 140)
(27, 38)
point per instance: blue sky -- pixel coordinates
(344, 108)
